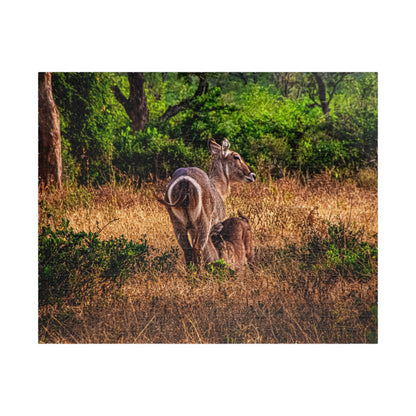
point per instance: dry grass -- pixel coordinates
(278, 302)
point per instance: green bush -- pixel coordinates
(219, 271)
(347, 255)
(153, 152)
(320, 152)
(273, 155)
(166, 261)
(341, 253)
(70, 263)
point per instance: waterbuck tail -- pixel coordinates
(185, 193)
(181, 199)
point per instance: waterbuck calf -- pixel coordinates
(195, 201)
(233, 241)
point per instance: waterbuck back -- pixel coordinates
(233, 241)
(195, 201)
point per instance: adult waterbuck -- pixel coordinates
(195, 201)
(233, 241)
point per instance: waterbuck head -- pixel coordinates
(228, 166)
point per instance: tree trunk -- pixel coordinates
(49, 158)
(242, 76)
(136, 105)
(322, 94)
(335, 80)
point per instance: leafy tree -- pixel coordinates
(90, 119)
(356, 115)
(284, 81)
(322, 88)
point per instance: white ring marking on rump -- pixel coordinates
(193, 214)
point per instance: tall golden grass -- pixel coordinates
(277, 302)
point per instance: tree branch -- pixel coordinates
(342, 76)
(203, 87)
(313, 99)
(120, 97)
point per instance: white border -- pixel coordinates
(216, 36)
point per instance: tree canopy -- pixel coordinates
(148, 124)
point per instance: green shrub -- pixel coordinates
(166, 262)
(372, 333)
(347, 255)
(70, 263)
(320, 151)
(154, 152)
(341, 253)
(219, 271)
(273, 155)
(90, 119)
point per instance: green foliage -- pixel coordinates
(273, 155)
(219, 271)
(70, 263)
(341, 253)
(347, 255)
(372, 333)
(166, 261)
(270, 127)
(268, 118)
(152, 152)
(356, 113)
(90, 120)
(207, 116)
(320, 151)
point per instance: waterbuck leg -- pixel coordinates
(204, 243)
(196, 249)
(210, 252)
(197, 256)
(182, 237)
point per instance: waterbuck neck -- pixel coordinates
(219, 176)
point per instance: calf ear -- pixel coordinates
(225, 149)
(214, 147)
(216, 229)
(242, 216)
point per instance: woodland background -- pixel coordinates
(145, 125)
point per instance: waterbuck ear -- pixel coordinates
(225, 148)
(216, 229)
(214, 147)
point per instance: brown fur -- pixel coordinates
(233, 241)
(195, 201)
